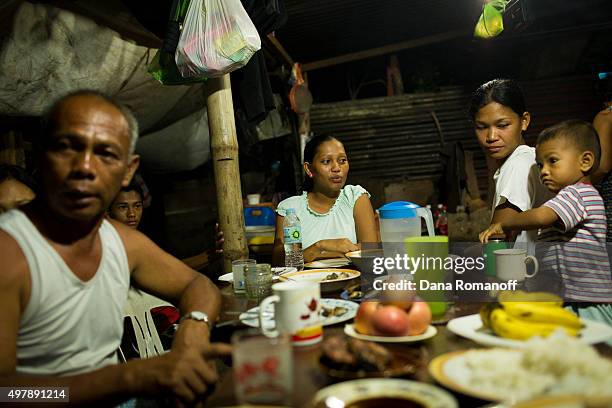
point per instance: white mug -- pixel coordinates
(511, 264)
(296, 311)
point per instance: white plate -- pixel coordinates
(320, 275)
(349, 329)
(348, 392)
(450, 370)
(454, 370)
(251, 316)
(328, 263)
(228, 277)
(471, 327)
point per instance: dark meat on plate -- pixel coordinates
(335, 349)
(371, 355)
(355, 354)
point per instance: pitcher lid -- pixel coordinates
(398, 209)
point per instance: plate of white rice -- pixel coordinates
(558, 365)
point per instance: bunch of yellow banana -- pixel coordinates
(521, 319)
(541, 298)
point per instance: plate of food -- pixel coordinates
(332, 311)
(558, 365)
(229, 277)
(511, 324)
(346, 358)
(356, 293)
(328, 263)
(431, 331)
(331, 280)
(383, 392)
(566, 401)
(353, 293)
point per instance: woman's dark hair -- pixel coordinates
(506, 92)
(310, 150)
(9, 171)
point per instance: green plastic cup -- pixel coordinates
(433, 252)
(488, 253)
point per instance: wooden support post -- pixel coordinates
(224, 147)
(11, 149)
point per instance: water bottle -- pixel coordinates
(292, 232)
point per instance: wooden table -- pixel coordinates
(308, 375)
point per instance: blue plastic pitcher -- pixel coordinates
(402, 219)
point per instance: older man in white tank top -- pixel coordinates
(66, 272)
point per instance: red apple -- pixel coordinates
(390, 321)
(363, 318)
(419, 318)
(401, 298)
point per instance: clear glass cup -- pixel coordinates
(258, 281)
(238, 273)
(263, 368)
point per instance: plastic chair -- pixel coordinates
(138, 310)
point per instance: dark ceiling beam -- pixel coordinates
(386, 49)
(124, 24)
(280, 50)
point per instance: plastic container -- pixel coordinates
(259, 216)
(402, 219)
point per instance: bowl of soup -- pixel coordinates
(383, 392)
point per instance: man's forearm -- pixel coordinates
(107, 386)
(202, 295)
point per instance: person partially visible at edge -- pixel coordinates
(602, 179)
(497, 110)
(335, 217)
(16, 187)
(66, 271)
(573, 223)
(128, 208)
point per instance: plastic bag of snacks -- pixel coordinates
(218, 37)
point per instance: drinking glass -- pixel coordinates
(263, 368)
(258, 281)
(238, 273)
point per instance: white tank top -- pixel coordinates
(69, 326)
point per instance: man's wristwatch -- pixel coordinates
(198, 316)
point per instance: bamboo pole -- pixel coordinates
(224, 147)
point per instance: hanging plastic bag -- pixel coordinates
(218, 37)
(163, 67)
(491, 21)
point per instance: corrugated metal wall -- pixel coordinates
(397, 136)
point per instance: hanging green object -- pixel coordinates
(163, 67)
(491, 21)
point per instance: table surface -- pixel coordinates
(308, 375)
